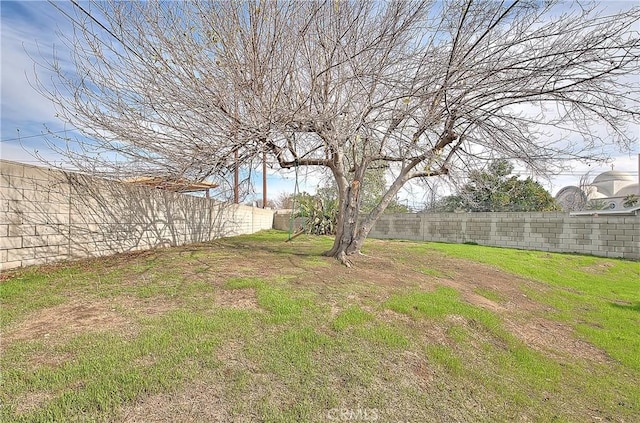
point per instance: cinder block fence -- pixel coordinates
(607, 236)
(600, 235)
(47, 215)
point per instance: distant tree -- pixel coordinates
(396, 207)
(419, 88)
(494, 190)
(284, 201)
(373, 189)
(450, 203)
(526, 195)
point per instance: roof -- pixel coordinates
(177, 185)
(621, 212)
(629, 190)
(613, 175)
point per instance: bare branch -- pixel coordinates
(421, 88)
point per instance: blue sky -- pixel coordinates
(23, 26)
(28, 32)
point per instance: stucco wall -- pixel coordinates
(47, 215)
(608, 236)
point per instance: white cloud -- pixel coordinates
(28, 32)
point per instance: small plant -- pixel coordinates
(596, 204)
(631, 200)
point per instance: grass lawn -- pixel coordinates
(255, 329)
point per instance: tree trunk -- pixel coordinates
(347, 239)
(352, 231)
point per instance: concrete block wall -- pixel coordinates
(48, 215)
(604, 235)
(282, 221)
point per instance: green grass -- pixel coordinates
(18, 299)
(255, 329)
(441, 303)
(599, 276)
(351, 316)
(490, 294)
(446, 357)
(382, 335)
(599, 297)
(106, 369)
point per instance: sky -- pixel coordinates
(29, 32)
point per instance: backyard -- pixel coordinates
(253, 328)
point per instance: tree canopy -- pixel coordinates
(493, 190)
(419, 89)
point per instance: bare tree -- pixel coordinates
(419, 88)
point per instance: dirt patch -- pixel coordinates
(206, 400)
(519, 312)
(237, 298)
(65, 320)
(32, 401)
(390, 315)
(467, 277)
(462, 275)
(383, 271)
(422, 371)
(6, 275)
(147, 306)
(555, 338)
(50, 359)
(598, 267)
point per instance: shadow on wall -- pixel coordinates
(52, 215)
(110, 216)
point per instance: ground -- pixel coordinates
(468, 278)
(423, 369)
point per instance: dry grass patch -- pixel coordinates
(59, 323)
(237, 298)
(195, 402)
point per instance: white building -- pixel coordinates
(607, 191)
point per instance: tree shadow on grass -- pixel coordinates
(629, 306)
(285, 248)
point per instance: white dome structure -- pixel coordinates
(629, 190)
(571, 198)
(612, 175)
(612, 181)
(608, 190)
